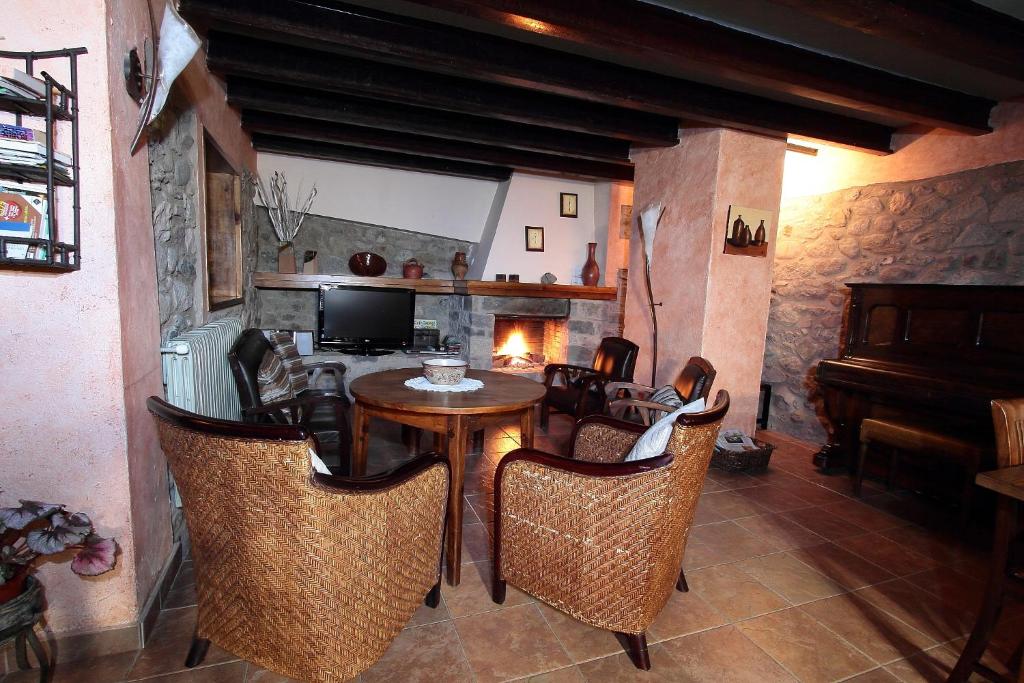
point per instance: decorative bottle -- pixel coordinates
(760, 234)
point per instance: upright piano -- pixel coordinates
(931, 353)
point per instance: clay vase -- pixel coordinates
(459, 265)
(412, 269)
(591, 271)
(286, 258)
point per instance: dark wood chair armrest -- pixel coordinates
(583, 467)
(566, 371)
(298, 410)
(387, 479)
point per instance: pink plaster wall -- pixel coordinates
(739, 288)
(82, 349)
(919, 154)
(129, 24)
(683, 179)
(714, 305)
(63, 436)
(617, 248)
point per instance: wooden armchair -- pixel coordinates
(323, 412)
(598, 538)
(309, 575)
(581, 389)
(632, 402)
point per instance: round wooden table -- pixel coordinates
(452, 416)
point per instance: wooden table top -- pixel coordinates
(501, 391)
(1008, 481)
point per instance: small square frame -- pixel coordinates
(562, 211)
(536, 229)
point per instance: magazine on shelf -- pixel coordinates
(23, 213)
(30, 152)
(734, 440)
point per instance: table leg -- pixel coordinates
(526, 428)
(1006, 529)
(457, 435)
(360, 436)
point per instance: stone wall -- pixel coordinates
(335, 240)
(963, 228)
(173, 158)
(174, 177)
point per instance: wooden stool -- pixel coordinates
(912, 438)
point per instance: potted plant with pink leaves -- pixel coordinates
(34, 529)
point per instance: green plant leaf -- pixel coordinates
(30, 511)
(97, 557)
(57, 537)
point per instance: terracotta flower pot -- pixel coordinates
(14, 586)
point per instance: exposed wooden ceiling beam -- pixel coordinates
(965, 32)
(242, 56)
(420, 145)
(310, 104)
(674, 40)
(374, 157)
(431, 47)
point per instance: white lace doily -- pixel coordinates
(423, 384)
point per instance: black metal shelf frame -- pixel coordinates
(59, 256)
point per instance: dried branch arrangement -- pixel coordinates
(286, 221)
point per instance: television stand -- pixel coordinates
(365, 351)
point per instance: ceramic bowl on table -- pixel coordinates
(367, 264)
(444, 370)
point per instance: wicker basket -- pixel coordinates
(743, 461)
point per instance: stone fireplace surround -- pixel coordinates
(468, 317)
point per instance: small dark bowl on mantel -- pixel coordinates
(367, 264)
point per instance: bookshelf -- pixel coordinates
(45, 251)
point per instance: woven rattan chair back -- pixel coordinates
(293, 575)
(604, 541)
(1008, 420)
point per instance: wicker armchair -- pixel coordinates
(598, 538)
(631, 401)
(309, 575)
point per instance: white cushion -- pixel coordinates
(317, 463)
(654, 441)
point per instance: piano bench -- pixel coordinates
(914, 438)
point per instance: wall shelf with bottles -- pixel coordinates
(32, 169)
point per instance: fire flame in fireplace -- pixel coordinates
(514, 346)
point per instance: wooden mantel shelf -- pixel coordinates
(423, 286)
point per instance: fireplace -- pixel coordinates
(527, 343)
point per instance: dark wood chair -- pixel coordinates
(323, 412)
(581, 389)
(1006, 564)
(598, 538)
(631, 401)
(309, 575)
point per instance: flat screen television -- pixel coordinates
(365, 320)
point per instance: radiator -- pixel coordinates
(197, 376)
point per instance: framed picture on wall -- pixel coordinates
(567, 204)
(534, 238)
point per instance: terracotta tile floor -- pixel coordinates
(791, 579)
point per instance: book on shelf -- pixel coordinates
(23, 213)
(9, 131)
(8, 86)
(36, 86)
